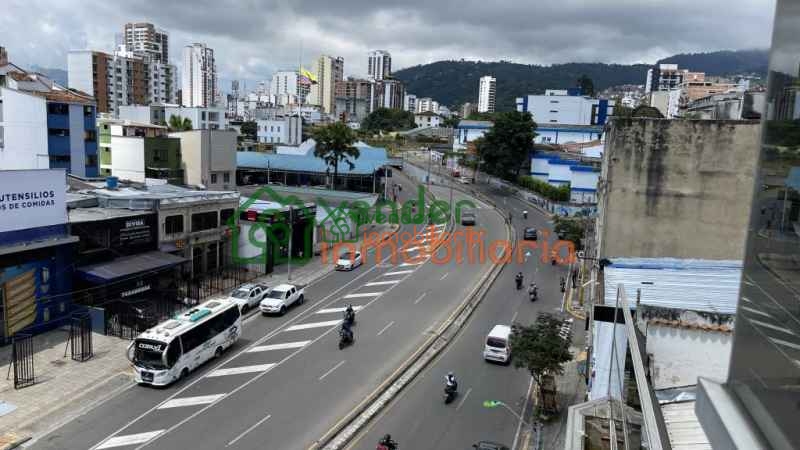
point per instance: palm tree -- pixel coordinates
(335, 145)
(178, 124)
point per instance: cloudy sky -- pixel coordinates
(253, 38)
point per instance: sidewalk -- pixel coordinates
(65, 388)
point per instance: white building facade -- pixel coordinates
(410, 103)
(427, 120)
(379, 65)
(487, 90)
(329, 71)
(566, 107)
(199, 78)
(287, 130)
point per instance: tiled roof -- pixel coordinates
(70, 96)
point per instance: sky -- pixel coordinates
(251, 39)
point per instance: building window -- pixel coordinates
(225, 214)
(173, 224)
(271, 129)
(226, 177)
(59, 160)
(213, 178)
(88, 111)
(203, 115)
(91, 160)
(90, 136)
(204, 221)
(57, 132)
(58, 108)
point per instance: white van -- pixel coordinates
(497, 347)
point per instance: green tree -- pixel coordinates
(386, 119)
(586, 84)
(249, 129)
(539, 348)
(482, 116)
(570, 229)
(335, 145)
(507, 145)
(177, 123)
(451, 122)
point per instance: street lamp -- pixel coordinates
(495, 403)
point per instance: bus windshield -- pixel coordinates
(149, 354)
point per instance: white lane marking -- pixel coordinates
(753, 310)
(399, 272)
(444, 276)
(412, 249)
(284, 346)
(420, 297)
(363, 294)
(305, 326)
(406, 264)
(331, 370)
(190, 401)
(337, 310)
(381, 283)
(514, 317)
(240, 370)
(461, 403)
(129, 439)
(385, 328)
(248, 430)
(771, 326)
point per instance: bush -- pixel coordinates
(556, 194)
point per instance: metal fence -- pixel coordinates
(22, 352)
(80, 337)
(129, 319)
(200, 288)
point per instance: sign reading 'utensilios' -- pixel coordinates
(32, 198)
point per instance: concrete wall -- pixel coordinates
(680, 355)
(79, 71)
(203, 156)
(677, 188)
(23, 118)
(127, 158)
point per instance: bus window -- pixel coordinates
(173, 353)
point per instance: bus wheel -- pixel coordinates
(184, 373)
(218, 352)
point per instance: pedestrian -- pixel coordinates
(574, 277)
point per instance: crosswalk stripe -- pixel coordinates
(381, 283)
(363, 294)
(284, 346)
(240, 370)
(129, 439)
(191, 401)
(305, 326)
(399, 272)
(338, 310)
(405, 264)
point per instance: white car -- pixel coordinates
(280, 298)
(248, 296)
(464, 180)
(349, 261)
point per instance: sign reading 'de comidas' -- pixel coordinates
(32, 198)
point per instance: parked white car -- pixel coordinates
(248, 296)
(465, 180)
(349, 260)
(280, 298)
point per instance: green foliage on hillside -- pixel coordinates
(456, 82)
(385, 119)
(547, 190)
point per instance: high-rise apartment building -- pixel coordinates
(486, 94)
(329, 71)
(379, 65)
(287, 88)
(199, 78)
(144, 39)
(410, 103)
(120, 79)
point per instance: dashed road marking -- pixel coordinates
(444, 276)
(331, 370)
(421, 296)
(191, 401)
(385, 328)
(284, 346)
(337, 310)
(399, 272)
(248, 430)
(363, 294)
(406, 264)
(240, 370)
(381, 283)
(306, 326)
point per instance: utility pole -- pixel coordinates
(291, 232)
(428, 178)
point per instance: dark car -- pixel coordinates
(486, 445)
(530, 234)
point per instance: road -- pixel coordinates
(418, 418)
(286, 383)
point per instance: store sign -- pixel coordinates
(134, 291)
(32, 199)
(136, 231)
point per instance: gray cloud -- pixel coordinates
(253, 38)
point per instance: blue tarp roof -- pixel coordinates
(691, 284)
(370, 160)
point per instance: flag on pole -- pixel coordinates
(306, 77)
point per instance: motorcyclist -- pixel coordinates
(563, 284)
(532, 290)
(349, 314)
(525, 214)
(450, 382)
(519, 280)
(346, 332)
(386, 443)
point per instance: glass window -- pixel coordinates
(58, 108)
(58, 132)
(226, 177)
(213, 178)
(173, 224)
(90, 136)
(225, 214)
(204, 221)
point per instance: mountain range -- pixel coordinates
(456, 82)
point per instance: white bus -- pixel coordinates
(172, 349)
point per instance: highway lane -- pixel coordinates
(94, 425)
(311, 386)
(418, 418)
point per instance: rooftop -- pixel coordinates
(475, 124)
(94, 214)
(687, 284)
(370, 160)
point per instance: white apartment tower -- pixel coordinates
(379, 65)
(199, 78)
(329, 71)
(486, 94)
(144, 39)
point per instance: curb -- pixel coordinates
(15, 443)
(348, 427)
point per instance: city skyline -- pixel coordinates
(249, 52)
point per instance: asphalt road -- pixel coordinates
(419, 419)
(290, 382)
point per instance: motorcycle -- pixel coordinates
(519, 283)
(450, 394)
(387, 446)
(533, 295)
(349, 318)
(345, 338)
(524, 214)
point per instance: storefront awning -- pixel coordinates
(129, 265)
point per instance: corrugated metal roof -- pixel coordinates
(683, 428)
(369, 160)
(691, 284)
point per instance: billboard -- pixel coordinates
(32, 198)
